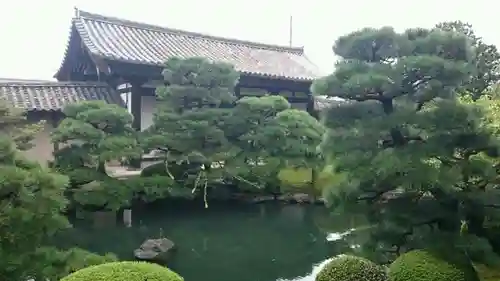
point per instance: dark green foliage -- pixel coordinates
(61, 263)
(119, 271)
(187, 124)
(176, 172)
(158, 169)
(351, 268)
(414, 149)
(84, 175)
(13, 124)
(113, 194)
(32, 205)
(265, 130)
(423, 265)
(487, 58)
(208, 138)
(92, 134)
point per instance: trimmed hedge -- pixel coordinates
(121, 271)
(425, 265)
(351, 268)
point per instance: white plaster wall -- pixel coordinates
(42, 146)
(148, 109)
(126, 99)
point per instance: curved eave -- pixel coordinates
(73, 33)
(73, 53)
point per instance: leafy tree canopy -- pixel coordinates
(187, 124)
(32, 203)
(13, 123)
(416, 152)
(94, 133)
(487, 58)
(271, 136)
(201, 125)
(91, 135)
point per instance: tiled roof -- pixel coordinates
(36, 95)
(122, 40)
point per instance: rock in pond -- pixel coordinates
(296, 198)
(155, 250)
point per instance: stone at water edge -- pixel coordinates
(155, 250)
(296, 198)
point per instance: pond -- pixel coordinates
(226, 242)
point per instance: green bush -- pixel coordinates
(59, 263)
(121, 271)
(425, 265)
(350, 268)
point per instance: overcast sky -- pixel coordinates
(34, 33)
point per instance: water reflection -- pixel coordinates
(311, 276)
(265, 242)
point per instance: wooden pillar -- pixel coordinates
(237, 91)
(136, 105)
(127, 217)
(136, 110)
(310, 106)
(55, 119)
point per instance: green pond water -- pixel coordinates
(226, 242)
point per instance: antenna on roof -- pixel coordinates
(77, 12)
(290, 35)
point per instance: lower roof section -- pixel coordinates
(37, 95)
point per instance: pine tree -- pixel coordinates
(416, 152)
(91, 135)
(187, 126)
(271, 137)
(487, 58)
(31, 200)
(32, 205)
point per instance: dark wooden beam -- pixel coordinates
(274, 85)
(237, 91)
(136, 105)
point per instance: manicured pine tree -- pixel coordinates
(187, 126)
(417, 154)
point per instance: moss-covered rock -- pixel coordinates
(350, 268)
(425, 265)
(120, 271)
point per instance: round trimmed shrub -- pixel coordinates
(351, 268)
(426, 265)
(121, 271)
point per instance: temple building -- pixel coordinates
(129, 56)
(120, 61)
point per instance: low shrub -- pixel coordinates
(351, 268)
(120, 271)
(426, 265)
(59, 263)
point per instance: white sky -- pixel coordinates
(34, 33)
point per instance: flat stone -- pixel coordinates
(155, 250)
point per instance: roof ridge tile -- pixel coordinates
(33, 83)
(162, 29)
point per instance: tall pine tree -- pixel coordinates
(417, 154)
(187, 125)
(32, 205)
